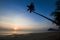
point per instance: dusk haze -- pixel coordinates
(16, 19)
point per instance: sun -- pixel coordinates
(15, 28)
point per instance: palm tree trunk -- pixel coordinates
(46, 17)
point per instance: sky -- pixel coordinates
(14, 14)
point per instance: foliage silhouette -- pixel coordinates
(56, 13)
(31, 9)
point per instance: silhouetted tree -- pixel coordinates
(31, 9)
(56, 13)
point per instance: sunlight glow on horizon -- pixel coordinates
(14, 15)
(14, 21)
(22, 21)
(15, 28)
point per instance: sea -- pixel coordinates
(19, 32)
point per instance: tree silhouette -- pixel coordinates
(56, 13)
(31, 9)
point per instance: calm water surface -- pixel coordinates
(18, 32)
(13, 32)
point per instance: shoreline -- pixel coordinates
(32, 36)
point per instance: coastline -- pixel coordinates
(34, 36)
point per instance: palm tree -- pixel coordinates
(32, 9)
(56, 14)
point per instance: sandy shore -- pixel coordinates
(33, 36)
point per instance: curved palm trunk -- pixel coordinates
(46, 17)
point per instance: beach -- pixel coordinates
(33, 36)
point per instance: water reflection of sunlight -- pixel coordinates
(14, 32)
(20, 32)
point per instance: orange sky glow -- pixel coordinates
(20, 22)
